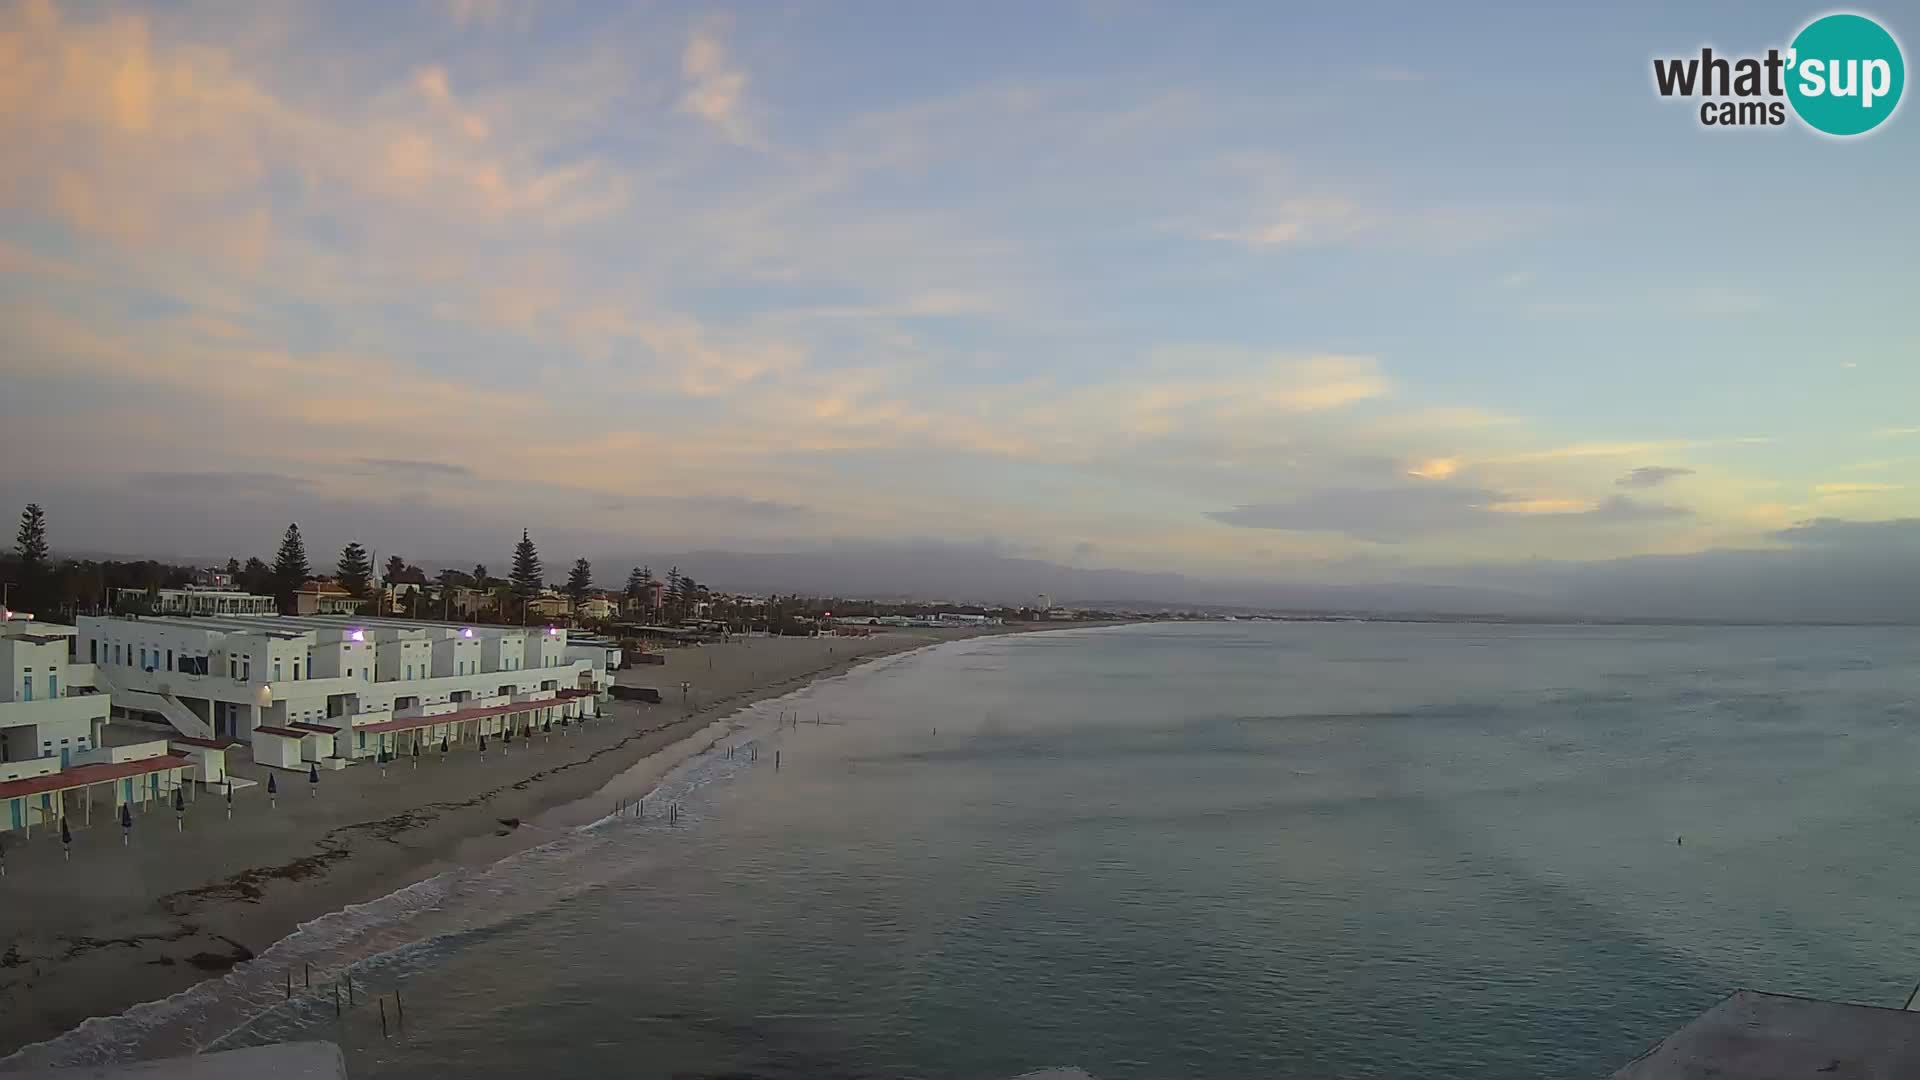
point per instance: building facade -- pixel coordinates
(197, 600)
(342, 683)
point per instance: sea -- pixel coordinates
(1207, 850)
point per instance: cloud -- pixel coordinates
(1627, 508)
(417, 469)
(732, 506)
(716, 86)
(1647, 476)
(1396, 513)
(1435, 468)
(1854, 488)
(1897, 533)
(1381, 514)
(1896, 432)
(228, 483)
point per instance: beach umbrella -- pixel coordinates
(313, 780)
(229, 798)
(3, 856)
(443, 746)
(126, 823)
(383, 759)
(416, 753)
(179, 808)
(66, 839)
(483, 746)
(273, 791)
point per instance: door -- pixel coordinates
(66, 756)
(15, 805)
(126, 790)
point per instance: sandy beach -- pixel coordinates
(121, 924)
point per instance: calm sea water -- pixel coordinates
(1227, 850)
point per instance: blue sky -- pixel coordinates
(1259, 290)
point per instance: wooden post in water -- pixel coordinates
(309, 968)
(289, 984)
(383, 1018)
(776, 761)
(401, 1008)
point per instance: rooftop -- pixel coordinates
(82, 775)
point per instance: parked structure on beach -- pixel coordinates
(327, 690)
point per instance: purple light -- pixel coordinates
(467, 632)
(551, 631)
(356, 635)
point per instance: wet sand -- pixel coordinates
(119, 925)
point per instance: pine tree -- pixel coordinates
(355, 570)
(256, 577)
(527, 576)
(31, 543)
(636, 584)
(580, 580)
(290, 569)
(480, 576)
(233, 568)
(396, 567)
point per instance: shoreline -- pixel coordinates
(122, 925)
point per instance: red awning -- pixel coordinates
(317, 729)
(83, 775)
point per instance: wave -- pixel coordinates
(388, 936)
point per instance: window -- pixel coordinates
(276, 670)
(116, 654)
(93, 650)
(53, 685)
(296, 671)
(27, 689)
(169, 659)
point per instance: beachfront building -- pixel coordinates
(52, 719)
(48, 709)
(195, 600)
(332, 689)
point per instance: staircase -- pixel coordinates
(161, 703)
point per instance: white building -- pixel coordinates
(51, 721)
(47, 707)
(331, 689)
(199, 600)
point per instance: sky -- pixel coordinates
(1357, 292)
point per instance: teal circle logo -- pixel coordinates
(1845, 74)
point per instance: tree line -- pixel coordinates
(36, 581)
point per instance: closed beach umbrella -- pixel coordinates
(273, 790)
(126, 822)
(313, 779)
(416, 753)
(179, 808)
(483, 744)
(443, 744)
(66, 839)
